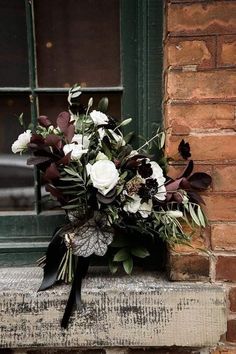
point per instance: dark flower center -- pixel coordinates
(149, 189)
(145, 169)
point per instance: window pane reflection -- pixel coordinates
(51, 104)
(77, 41)
(13, 36)
(16, 178)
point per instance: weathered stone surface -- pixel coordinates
(141, 310)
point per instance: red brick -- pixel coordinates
(183, 1)
(232, 299)
(223, 237)
(220, 207)
(195, 51)
(231, 331)
(218, 84)
(199, 240)
(224, 351)
(224, 178)
(211, 147)
(226, 51)
(174, 170)
(188, 267)
(212, 17)
(169, 350)
(187, 117)
(225, 268)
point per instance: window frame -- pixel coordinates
(24, 235)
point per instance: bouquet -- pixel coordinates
(116, 197)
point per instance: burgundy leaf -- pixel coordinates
(69, 133)
(185, 184)
(36, 160)
(54, 141)
(37, 139)
(195, 197)
(188, 170)
(177, 196)
(63, 121)
(44, 121)
(51, 172)
(200, 180)
(55, 192)
(65, 160)
(104, 199)
(171, 187)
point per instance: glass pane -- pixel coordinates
(16, 178)
(51, 105)
(13, 36)
(78, 41)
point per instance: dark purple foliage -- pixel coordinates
(184, 149)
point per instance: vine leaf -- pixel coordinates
(89, 238)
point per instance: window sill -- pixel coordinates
(135, 311)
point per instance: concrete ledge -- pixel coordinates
(139, 310)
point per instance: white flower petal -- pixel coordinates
(99, 118)
(175, 213)
(21, 143)
(132, 206)
(146, 209)
(104, 176)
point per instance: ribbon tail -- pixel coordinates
(55, 252)
(75, 293)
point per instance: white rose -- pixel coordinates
(101, 156)
(21, 143)
(133, 205)
(104, 175)
(145, 209)
(175, 213)
(81, 140)
(157, 174)
(76, 151)
(99, 118)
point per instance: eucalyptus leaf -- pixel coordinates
(201, 216)
(121, 255)
(125, 122)
(128, 137)
(193, 215)
(74, 206)
(20, 119)
(128, 265)
(162, 141)
(106, 151)
(103, 105)
(140, 252)
(113, 266)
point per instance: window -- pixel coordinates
(112, 48)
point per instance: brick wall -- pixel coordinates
(200, 107)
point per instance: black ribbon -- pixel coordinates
(75, 293)
(55, 252)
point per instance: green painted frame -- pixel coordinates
(24, 236)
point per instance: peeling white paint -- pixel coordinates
(139, 310)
